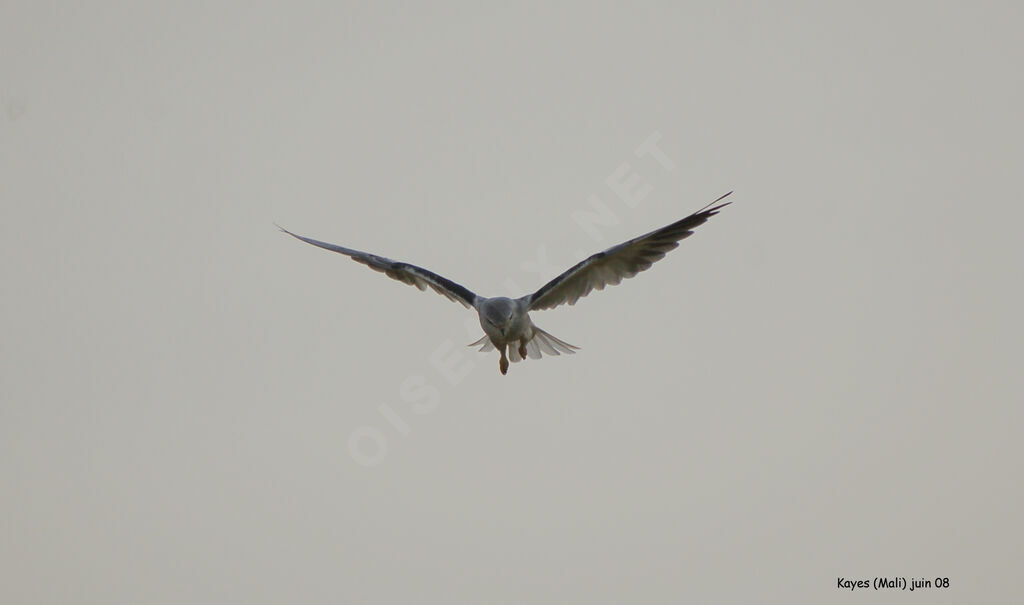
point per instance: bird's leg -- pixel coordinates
(503, 362)
(522, 349)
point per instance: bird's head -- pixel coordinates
(499, 313)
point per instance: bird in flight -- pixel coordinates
(506, 321)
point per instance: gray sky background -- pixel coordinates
(823, 382)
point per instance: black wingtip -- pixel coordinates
(718, 207)
(283, 230)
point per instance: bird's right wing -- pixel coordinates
(618, 262)
(403, 272)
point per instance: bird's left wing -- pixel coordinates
(403, 272)
(610, 267)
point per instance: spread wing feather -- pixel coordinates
(619, 262)
(403, 272)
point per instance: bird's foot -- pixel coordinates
(522, 350)
(503, 365)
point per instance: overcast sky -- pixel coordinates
(822, 383)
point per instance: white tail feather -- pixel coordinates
(533, 349)
(541, 344)
(555, 345)
(485, 341)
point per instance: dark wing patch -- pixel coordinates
(403, 272)
(619, 262)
